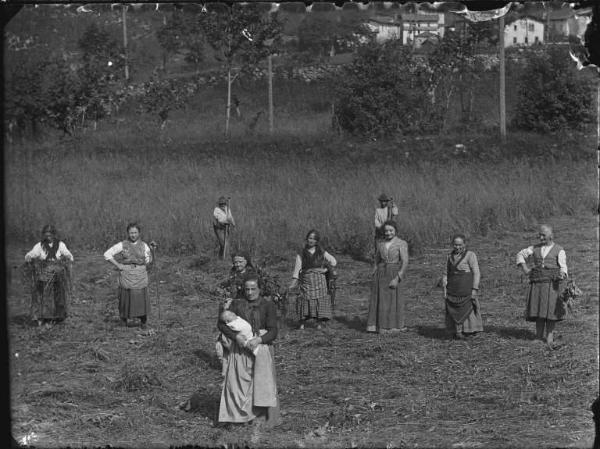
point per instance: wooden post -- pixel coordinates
(270, 77)
(228, 115)
(502, 92)
(124, 13)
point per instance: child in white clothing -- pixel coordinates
(239, 325)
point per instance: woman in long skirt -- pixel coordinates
(461, 284)
(133, 256)
(311, 269)
(49, 263)
(546, 276)
(386, 305)
(250, 387)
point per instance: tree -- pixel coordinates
(100, 73)
(163, 96)
(552, 94)
(240, 36)
(171, 36)
(385, 90)
(323, 35)
(24, 103)
(455, 68)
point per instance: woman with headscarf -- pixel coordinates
(461, 287)
(131, 257)
(241, 270)
(386, 305)
(50, 263)
(310, 270)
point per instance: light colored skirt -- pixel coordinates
(249, 389)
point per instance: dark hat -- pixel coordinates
(384, 197)
(222, 200)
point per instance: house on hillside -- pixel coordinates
(557, 23)
(523, 31)
(413, 29)
(414, 25)
(385, 28)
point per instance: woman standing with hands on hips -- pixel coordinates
(311, 268)
(133, 257)
(386, 305)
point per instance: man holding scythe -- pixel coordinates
(221, 224)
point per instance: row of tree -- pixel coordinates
(386, 89)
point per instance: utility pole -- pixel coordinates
(124, 13)
(270, 65)
(502, 70)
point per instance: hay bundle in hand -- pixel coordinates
(570, 294)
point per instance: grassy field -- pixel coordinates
(91, 382)
(90, 187)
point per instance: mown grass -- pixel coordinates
(92, 382)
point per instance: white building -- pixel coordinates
(524, 31)
(414, 25)
(385, 27)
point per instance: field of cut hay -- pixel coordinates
(92, 382)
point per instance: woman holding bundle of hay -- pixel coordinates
(461, 287)
(131, 257)
(546, 274)
(49, 263)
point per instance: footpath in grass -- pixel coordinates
(92, 382)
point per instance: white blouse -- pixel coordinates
(298, 266)
(562, 256)
(38, 252)
(223, 216)
(381, 215)
(118, 248)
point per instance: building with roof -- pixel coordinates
(386, 27)
(414, 25)
(523, 31)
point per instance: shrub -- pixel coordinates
(384, 91)
(552, 95)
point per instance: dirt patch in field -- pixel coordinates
(91, 381)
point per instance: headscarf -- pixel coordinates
(50, 250)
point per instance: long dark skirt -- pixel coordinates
(543, 302)
(133, 302)
(49, 300)
(386, 305)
